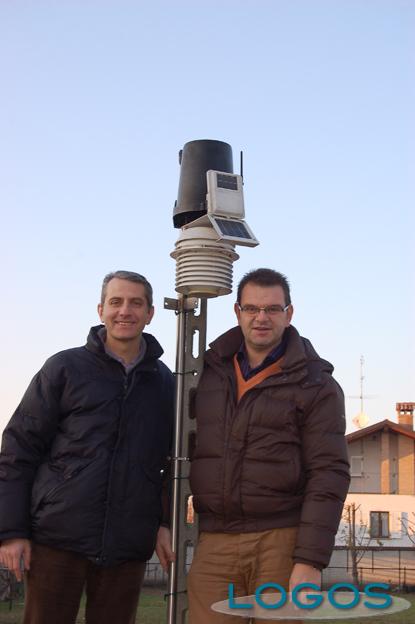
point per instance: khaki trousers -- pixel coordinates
(245, 559)
(57, 579)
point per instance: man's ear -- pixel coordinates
(237, 312)
(150, 315)
(99, 308)
(290, 313)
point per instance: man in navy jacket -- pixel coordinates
(82, 502)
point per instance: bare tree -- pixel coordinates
(408, 526)
(356, 537)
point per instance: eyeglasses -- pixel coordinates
(270, 310)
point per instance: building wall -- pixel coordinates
(384, 463)
(385, 450)
(371, 463)
(394, 463)
(401, 508)
(406, 465)
(369, 450)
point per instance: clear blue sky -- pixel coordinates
(98, 96)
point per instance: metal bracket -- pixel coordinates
(179, 305)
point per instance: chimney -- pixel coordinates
(405, 412)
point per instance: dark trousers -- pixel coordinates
(57, 579)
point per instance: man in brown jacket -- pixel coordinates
(270, 470)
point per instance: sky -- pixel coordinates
(97, 98)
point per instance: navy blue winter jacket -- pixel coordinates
(82, 458)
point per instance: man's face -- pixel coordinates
(263, 332)
(125, 311)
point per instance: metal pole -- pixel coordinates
(180, 352)
(188, 369)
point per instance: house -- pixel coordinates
(378, 525)
(377, 531)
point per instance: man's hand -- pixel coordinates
(11, 553)
(163, 548)
(304, 573)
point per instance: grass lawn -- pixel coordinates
(153, 608)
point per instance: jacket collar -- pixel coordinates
(94, 343)
(299, 351)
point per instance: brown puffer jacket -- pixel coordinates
(278, 458)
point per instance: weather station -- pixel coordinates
(210, 213)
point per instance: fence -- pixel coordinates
(378, 565)
(154, 575)
(10, 589)
(395, 566)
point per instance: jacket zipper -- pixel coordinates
(128, 383)
(102, 557)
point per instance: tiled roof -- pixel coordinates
(383, 425)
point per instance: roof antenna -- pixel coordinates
(361, 420)
(242, 166)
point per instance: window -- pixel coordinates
(356, 465)
(379, 524)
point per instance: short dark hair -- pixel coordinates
(131, 277)
(265, 277)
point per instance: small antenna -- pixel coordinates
(361, 420)
(362, 361)
(242, 166)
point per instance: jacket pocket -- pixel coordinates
(51, 479)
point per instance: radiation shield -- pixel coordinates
(266, 608)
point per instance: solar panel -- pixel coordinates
(233, 228)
